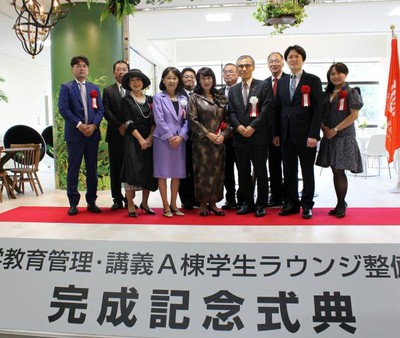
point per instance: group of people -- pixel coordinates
(193, 134)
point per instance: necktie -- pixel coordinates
(122, 91)
(84, 101)
(244, 93)
(275, 85)
(292, 86)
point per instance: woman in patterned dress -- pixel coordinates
(339, 148)
(207, 113)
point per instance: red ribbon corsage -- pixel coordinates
(94, 95)
(221, 127)
(342, 100)
(305, 98)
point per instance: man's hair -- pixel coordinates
(120, 61)
(188, 69)
(298, 49)
(76, 59)
(240, 58)
(274, 53)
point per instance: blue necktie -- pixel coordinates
(292, 86)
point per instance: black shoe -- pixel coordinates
(203, 213)
(307, 213)
(289, 210)
(187, 206)
(117, 205)
(132, 214)
(93, 208)
(148, 211)
(260, 212)
(332, 212)
(215, 212)
(229, 205)
(245, 209)
(341, 211)
(73, 210)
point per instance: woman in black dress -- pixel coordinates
(137, 167)
(339, 148)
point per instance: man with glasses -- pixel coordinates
(231, 76)
(186, 185)
(250, 114)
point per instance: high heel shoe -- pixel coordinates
(334, 212)
(148, 211)
(341, 211)
(215, 212)
(168, 213)
(203, 213)
(177, 212)
(132, 213)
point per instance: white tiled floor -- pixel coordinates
(370, 192)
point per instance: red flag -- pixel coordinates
(392, 109)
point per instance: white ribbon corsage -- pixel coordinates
(184, 105)
(253, 102)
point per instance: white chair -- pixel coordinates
(375, 149)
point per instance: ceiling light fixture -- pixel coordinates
(35, 20)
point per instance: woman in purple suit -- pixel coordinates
(170, 134)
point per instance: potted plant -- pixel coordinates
(122, 8)
(3, 96)
(281, 14)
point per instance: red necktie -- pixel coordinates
(275, 85)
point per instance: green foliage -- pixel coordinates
(61, 156)
(3, 96)
(270, 9)
(122, 8)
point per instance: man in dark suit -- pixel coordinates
(275, 64)
(298, 109)
(81, 107)
(250, 114)
(115, 130)
(231, 76)
(186, 185)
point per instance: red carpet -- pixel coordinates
(354, 216)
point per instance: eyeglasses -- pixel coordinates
(191, 77)
(245, 66)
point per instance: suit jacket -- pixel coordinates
(168, 123)
(112, 112)
(71, 109)
(290, 115)
(239, 113)
(269, 82)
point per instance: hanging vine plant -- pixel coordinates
(123, 8)
(281, 14)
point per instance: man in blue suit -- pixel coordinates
(81, 107)
(298, 115)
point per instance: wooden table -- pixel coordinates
(8, 154)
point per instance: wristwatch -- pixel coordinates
(335, 129)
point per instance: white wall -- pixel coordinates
(27, 85)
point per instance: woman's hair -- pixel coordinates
(205, 71)
(340, 68)
(174, 71)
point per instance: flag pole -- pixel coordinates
(396, 189)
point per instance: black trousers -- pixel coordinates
(116, 150)
(292, 155)
(186, 185)
(275, 173)
(246, 156)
